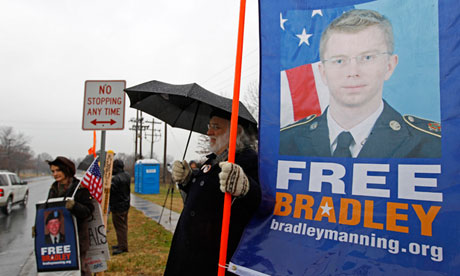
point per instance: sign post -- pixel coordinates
(103, 109)
(104, 106)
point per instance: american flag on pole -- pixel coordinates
(92, 180)
(302, 91)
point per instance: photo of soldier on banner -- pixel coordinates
(54, 227)
(358, 175)
(353, 55)
(56, 239)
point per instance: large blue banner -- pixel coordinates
(358, 176)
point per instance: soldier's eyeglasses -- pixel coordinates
(341, 61)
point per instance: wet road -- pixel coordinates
(16, 243)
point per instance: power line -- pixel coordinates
(231, 66)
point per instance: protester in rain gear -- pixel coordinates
(195, 246)
(119, 205)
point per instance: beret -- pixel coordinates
(53, 215)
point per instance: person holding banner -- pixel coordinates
(356, 52)
(195, 245)
(80, 206)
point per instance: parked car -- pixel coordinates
(12, 191)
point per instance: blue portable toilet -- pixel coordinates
(147, 176)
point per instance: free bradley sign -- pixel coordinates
(104, 105)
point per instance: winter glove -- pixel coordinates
(233, 180)
(69, 204)
(181, 171)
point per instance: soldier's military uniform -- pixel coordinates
(393, 136)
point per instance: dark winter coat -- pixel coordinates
(195, 246)
(82, 209)
(120, 190)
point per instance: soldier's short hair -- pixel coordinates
(357, 20)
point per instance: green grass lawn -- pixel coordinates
(148, 245)
(148, 241)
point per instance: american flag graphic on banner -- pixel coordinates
(92, 180)
(301, 90)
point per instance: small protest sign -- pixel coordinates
(56, 239)
(98, 253)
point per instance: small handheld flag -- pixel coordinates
(92, 180)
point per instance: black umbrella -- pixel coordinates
(186, 106)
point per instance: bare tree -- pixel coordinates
(251, 98)
(41, 167)
(15, 152)
(203, 145)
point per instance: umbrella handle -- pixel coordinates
(191, 129)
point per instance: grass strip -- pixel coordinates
(148, 243)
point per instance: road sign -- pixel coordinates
(104, 105)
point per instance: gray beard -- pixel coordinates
(216, 147)
(221, 142)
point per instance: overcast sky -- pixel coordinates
(49, 48)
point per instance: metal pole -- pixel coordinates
(140, 136)
(135, 143)
(102, 153)
(151, 144)
(164, 154)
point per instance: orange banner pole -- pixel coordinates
(232, 143)
(92, 150)
(94, 143)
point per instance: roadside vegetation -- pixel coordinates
(148, 241)
(148, 244)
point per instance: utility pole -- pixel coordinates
(140, 135)
(135, 127)
(155, 135)
(164, 155)
(138, 127)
